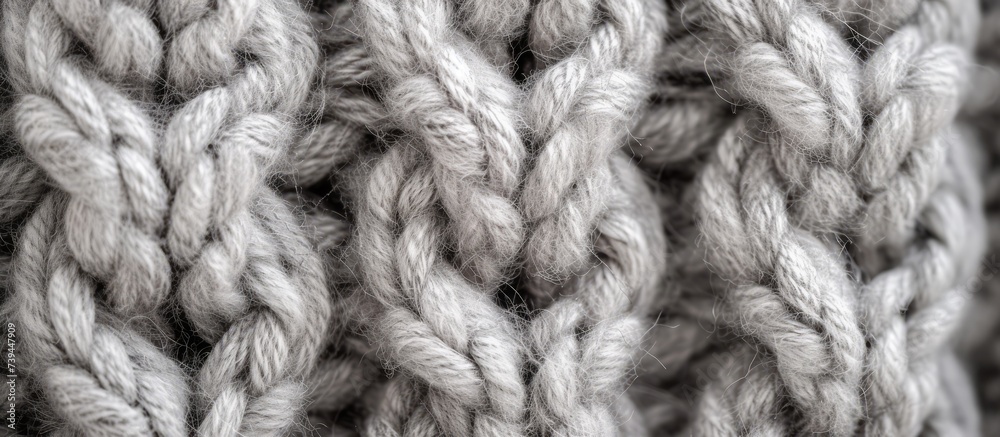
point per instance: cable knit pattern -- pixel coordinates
(742, 201)
(576, 109)
(500, 217)
(581, 343)
(466, 160)
(97, 373)
(928, 280)
(99, 376)
(250, 285)
(808, 86)
(458, 104)
(904, 133)
(449, 335)
(95, 144)
(198, 185)
(927, 284)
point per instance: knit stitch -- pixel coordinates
(486, 218)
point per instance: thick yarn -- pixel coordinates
(891, 204)
(178, 207)
(577, 108)
(465, 158)
(821, 375)
(97, 373)
(254, 290)
(576, 388)
(909, 189)
(342, 101)
(476, 217)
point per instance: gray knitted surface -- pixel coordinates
(500, 217)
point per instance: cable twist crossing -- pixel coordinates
(251, 285)
(577, 108)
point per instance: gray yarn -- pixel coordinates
(576, 110)
(89, 363)
(726, 258)
(263, 312)
(605, 303)
(755, 239)
(99, 375)
(143, 198)
(478, 217)
(466, 157)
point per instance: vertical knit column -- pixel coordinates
(89, 271)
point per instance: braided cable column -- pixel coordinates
(440, 89)
(450, 186)
(805, 311)
(873, 188)
(89, 259)
(916, 78)
(118, 201)
(577, 110)
(595, 250)
(584, 344)
(499, 217)
(250, 282)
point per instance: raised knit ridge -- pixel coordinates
(499, 217)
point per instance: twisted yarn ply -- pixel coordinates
(148, 205)
(254, 289)
(499, 218)
(96, 371)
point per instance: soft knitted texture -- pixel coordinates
(500, 217)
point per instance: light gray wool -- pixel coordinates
(159, 144)
(500, 217)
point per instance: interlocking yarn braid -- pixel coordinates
(499, 217)
(577, 110)
(885, 212)
(73, 118)
(822, 364)
(178, 207)
(450, 185)
(250, 285)
(581, 343)
(578, 198)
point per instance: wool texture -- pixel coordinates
(500, 217)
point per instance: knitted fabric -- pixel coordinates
(498, 218)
